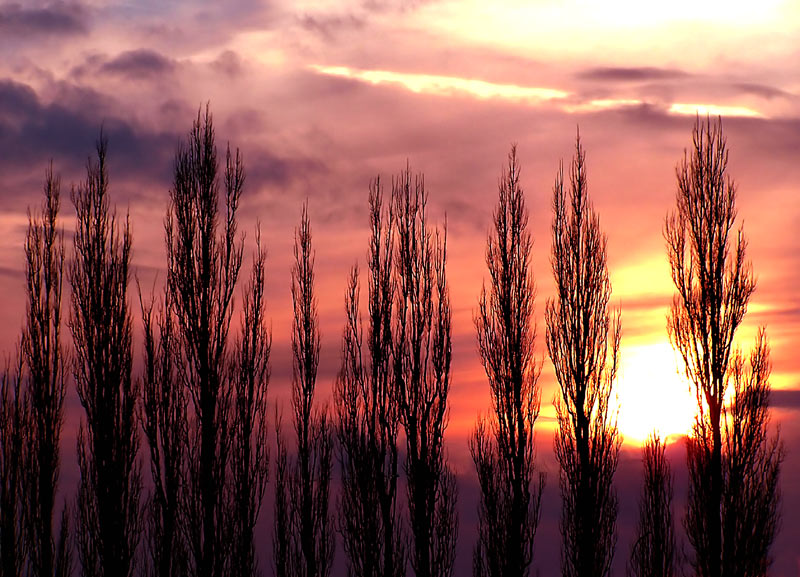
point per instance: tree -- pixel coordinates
(583, 343)
(45, 363)
(367, 418)
(304, 526)
(250, 457)
(653, 551)
(163, 416)
(202, 270)
(109, 516)
(503, 450)
(422, 355)
(14, 420)
(714, 282)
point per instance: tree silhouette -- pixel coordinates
(653, 551)
(583, 343)
(45, 362)
(422, 355)
(503, 450)
(367, 418)
(203, 267)
(163, 416)
(250, 458)
(109, 516)
(733, 467)
(14, 420)
(304, 524)
(284, 563)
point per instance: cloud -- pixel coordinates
(54, 19)
(330, 26)
(628, 74)
(785, 399)
(138, 63)
(32, 131)
(446, 85)
(762, 90)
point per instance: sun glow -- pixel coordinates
(652, 393)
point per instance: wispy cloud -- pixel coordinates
(447, 85)
(714, 110)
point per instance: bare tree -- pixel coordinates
(422, 355)
(163, 417)
(751, 468)
(730, 455)
(653, 551)
(308, 541)
(583, 343)
(503, 450)
(45, 362)
(250, 457)
(109, 516)
(283, 562)
(203, 267)
(14, 420)
(367, 418)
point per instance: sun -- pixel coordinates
(652, 393)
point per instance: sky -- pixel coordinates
(323, 96)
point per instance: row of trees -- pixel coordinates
(201, 403)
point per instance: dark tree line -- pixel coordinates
(201, 404)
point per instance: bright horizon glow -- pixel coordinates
(652, 394)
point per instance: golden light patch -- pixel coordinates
(446, 85)
(714, 110)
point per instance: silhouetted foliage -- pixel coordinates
(281, 535)
(163, 416)
(367, 414)
(203, 267)
(734, 467)
(45, 362)
(249, 451)
(304, 520)
(14, 420)
(109, 515)
(583, 343)
(422, 355)
(653, 551)
(503, 449)
(751, 468)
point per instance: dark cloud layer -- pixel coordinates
(32, 131)
(632, 74)
(58, 18)
(138, 63)
(786, 399)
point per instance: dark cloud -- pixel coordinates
(402, 6)
(762, 90)
(138, 63)
(631, 74)
(32, 131)
(328, 27)
(58, 18)
(785, 399)
(228, 63)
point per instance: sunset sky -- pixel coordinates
(322, 96)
